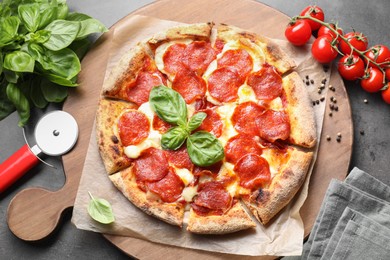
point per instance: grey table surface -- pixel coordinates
(370, 151)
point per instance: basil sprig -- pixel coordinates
(100, 210)
(204, 149)
(40, 42)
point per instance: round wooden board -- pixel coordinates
(333, 157)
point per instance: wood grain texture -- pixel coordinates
(333, 157)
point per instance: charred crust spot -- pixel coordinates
(262, 196)
(114, 139)
(248, 36)
(115, 149)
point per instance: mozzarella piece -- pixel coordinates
(189, 193)
(246, 94)
(226, 111)
(185, 175)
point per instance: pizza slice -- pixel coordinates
(134, 77)
(261, 48)
(288, 168)
(152, 186)
(110, 145)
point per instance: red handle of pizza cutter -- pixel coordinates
(16, 165)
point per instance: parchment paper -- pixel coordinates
(283, 236)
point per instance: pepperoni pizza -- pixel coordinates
(252, 105)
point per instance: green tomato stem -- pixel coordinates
(353, 49)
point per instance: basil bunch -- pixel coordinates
(41, 44)
(204, 149)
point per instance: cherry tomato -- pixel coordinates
(386, 94)
(298, 32)
(315, 12)
(373, 81)
(322, 49)
(357, 40)
(351, 67)
(326, 31)
(387, 73)
(379, 54)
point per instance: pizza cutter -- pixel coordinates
(55, 134)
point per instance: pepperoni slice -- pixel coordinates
(253, 171)
(151, 166)
(219, 44)
(238, 59)
(180, 158)
(168, 188)
(266, 83)
(189, 85)
(241, 145)
(223, 84)
(203, 104)
(198, 55)
(212, 123)
(133, 127)
(211, 170)
(244, 118)
(213, 196)
(160, 125)
(274, 125)
(138, 92)
(173, 58)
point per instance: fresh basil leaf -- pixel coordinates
(11, 76)
(6, 106)
(8, 30)
(63, 10)
(168, 105)
(40, 36)
(64, 63)
(90, 26)
(63, 33)
(36, 95)
(174, 138)
(20, 102)
(1, 64)
(100, 210)
(48, 13)
(60, 80)
(196, 120)
(204, 149)
(30, 16)
(80, 47)
(53, 92)
(19, 61)
(77, 17)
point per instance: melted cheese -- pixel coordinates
(189, 193)
(185, 175)
(226, 111)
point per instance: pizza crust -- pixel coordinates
(125, 72)
(110, 148)
(266, 203)
(171, 213)
(198, 31)
(300, 111)
(234, 220)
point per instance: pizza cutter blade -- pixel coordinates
(55, 134)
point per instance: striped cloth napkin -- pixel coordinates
(353, 222)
